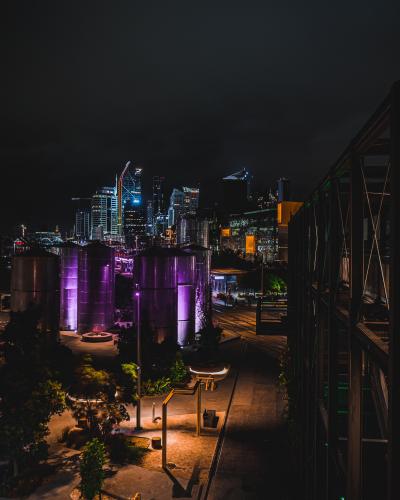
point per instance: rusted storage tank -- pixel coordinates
(69, 265)
(165, 277)
(202, 284)
(96, 288)
(35, 281)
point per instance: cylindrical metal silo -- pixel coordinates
(186, 271)
(202, 284)
(35, 282)
(96, 288)
(155, 271)
(69, 265)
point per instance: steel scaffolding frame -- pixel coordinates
(344, 317)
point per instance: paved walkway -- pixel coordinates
(253, 463)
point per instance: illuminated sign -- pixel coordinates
(225, 232)
(250, 244)
(286, 210)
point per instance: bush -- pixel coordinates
(178, 371)
(154, 387)
(91, 468)
(274, 284)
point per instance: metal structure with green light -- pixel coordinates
(344, 317)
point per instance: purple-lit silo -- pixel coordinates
(202, 284)
(186, 268)
(69, 265)
(95, 288)
(165, 277)
(35, 282)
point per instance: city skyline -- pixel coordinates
(143, 83)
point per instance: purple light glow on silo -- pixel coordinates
(184, 313)
(96, 288)
(69, 287)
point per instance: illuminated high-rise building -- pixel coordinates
(104, 214)
(129, 190)
(82, 218)
(149, 218)
(158, 195)
(191, 199)
(182, 202)
(158, 205)
(176, 206)
(134, 224)
(82, 224)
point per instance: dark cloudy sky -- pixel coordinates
(191, 89)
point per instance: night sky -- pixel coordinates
(191, 90)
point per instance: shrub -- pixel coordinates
(91, 468)
(154, 387)
(178, 371)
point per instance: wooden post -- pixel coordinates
(198, 410)
(164, 436)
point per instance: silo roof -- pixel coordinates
(156, 251)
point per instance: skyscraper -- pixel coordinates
(134, 224)
(149, 218)
(158, 205)
(82, 224)
(283, 189)
(236, 191)
(191, 199)
(129, 189)
(82, 218)
(176, 206)
(104, 214)
(158, 194)
(182, 202)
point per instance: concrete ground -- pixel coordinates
(254, 460)
(241, 321)
(102, 349)
(251, 460)
(189, 457)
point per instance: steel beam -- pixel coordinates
(354, 477)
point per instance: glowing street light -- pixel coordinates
(138, 358)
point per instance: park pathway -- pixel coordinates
(254, 458)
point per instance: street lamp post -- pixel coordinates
(138, 358)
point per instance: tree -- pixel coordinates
(26, 406)
(209, 340)
(91, 468)
(29, 393)
(129, 375)
(95, 400)
(178, 371)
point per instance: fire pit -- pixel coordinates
(97, 337)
